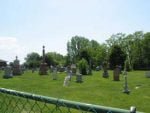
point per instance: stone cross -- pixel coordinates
(125, 83)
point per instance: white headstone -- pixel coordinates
(67, 81)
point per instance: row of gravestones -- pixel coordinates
(11, 71)
(69, 72)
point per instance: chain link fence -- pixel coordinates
(12, 101)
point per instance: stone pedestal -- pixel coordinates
(8, 72)
(16, 67)
(16, 70)
(105, 74)
(43, 69)
(116, 74)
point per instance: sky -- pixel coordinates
(27, 25)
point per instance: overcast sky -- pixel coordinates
(27, 25)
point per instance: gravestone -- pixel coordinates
(90, 67)
(51, 69)
(147, 74)
(22, 68)
(97, 68)
(126, 90)
(105, 66)
(8, 72)
(73, 69)
(16, 67)
(116, 73)
(79, 78)
(66, 81)
(43, 67)
(54, 74)
(69, 72)
(33, 70)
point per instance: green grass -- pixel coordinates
(94, 89)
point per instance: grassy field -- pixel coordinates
(94, 89)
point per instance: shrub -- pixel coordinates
(83, 65)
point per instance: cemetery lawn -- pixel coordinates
(94, 89)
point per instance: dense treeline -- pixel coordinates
(136, 46)
(135, 50)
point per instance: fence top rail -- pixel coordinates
(65, 103)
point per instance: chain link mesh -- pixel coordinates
(12, 101)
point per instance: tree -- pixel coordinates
(132, 46)
(127, 46)
(83, 65)
(146, 50)
(33, 60)
(49, 59)
(115, 39)
(138, 50)
(117, 57)
(80, 47)
(53, 58)
(98, 53)
(75, 46)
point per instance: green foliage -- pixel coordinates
(33, 60)
(80, 47)
(84, 54)
(75, 46)
(53, 58)
(117, 57)
(83, 65)
(146, 50)
(135, 46)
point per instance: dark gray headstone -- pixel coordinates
(8, 72)
(105, 69)
(116, 74)
(54, 74)
(79, 78)
(16, 67)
